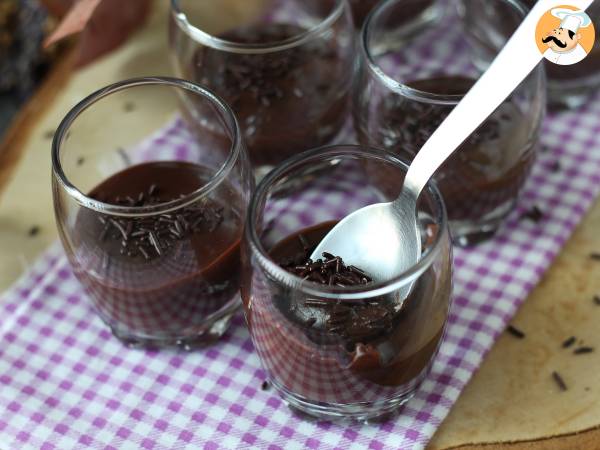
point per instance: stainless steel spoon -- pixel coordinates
(384, 239)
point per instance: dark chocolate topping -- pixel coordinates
(161, 273)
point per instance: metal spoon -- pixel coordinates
(384, 239)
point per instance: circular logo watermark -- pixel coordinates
(565, 35)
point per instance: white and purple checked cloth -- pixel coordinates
(65, 382)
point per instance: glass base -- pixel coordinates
(466, 233)
(375, 412)
(365, 412)
(195, 337)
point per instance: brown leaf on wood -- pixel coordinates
(74, 22)
(104, 24)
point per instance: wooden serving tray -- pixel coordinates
(511, 403)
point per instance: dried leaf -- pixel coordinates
(74, 22)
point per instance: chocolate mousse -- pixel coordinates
(488, 170)
(286, 101)
(344, 351)
(162, 274)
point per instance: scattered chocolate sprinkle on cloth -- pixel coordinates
(66, 382)
(534, 214)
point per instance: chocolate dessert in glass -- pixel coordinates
(284, 66)
(150, 214)
(408, 85)
(334, 342)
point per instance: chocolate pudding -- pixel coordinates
(343, 351)
(163, 274)
(486, 173)
(286, 101)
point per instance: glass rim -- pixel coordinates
(215, 42)
(333, 292)
(402, 88)
(161, 208)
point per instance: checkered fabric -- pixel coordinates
(65, 382)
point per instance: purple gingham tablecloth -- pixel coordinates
(65, 382)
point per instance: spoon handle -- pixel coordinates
(515, 61)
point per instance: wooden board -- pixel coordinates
(511, 402)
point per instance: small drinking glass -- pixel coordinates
(285, 67)
(410, 79)
(355, 352)
(150, 213)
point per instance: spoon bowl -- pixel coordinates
(381, 239)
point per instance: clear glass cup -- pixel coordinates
(408, 83)
(150, 212)
(571, 86)
(284, 66)
(341, 352)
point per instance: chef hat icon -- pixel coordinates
(571, 20)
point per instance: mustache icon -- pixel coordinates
(555, 40)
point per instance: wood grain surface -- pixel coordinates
(512, 402)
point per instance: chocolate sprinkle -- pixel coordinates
(150, 237)
(555, 166)
(597, 299)
(353, 322)
(595, 256)
(569, 342)
(515, 332)
(34, 231)
(265, 385)
(121, 151)
(583, 350)
(331, 270)
(310, 322)
(535, 214)
(559, 381)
